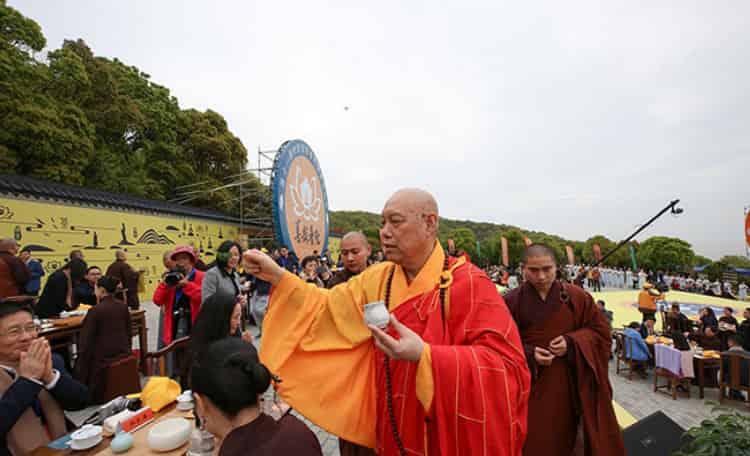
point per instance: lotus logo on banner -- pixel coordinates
(300, 201)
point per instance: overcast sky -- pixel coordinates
(574, 118)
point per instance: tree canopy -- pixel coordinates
(82, 119)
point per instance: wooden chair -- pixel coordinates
(624, 345)
(179, 350)
(122, 378)
(734, 373)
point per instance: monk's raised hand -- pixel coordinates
(262, 266)
(408, 346)
(558, 346)
(542, 356)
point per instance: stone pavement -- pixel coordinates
(636, 396)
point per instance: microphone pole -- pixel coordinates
(671, 206)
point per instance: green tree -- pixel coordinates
(736, 261)
(666, 254)
(465, 240)
(699, 260)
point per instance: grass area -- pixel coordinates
(624, 304)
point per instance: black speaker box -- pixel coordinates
(655, 435)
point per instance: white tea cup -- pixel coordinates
(376, 314)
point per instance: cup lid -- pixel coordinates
(86, 432)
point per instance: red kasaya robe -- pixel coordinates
(575, 389)
(466, 395)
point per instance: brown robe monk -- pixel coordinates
(104, 339)
(574, 390)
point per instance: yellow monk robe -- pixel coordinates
(468, 393)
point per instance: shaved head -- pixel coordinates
(355, 250)
(415, 199)
(121, 255)
(539, 250)
(8, 245)
(410, 227)
(355, 236)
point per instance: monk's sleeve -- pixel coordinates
(316, 341)
(481, 381)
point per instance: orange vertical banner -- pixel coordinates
(571, 254)
(747, 228)
(597, 252)
(504, 249)
(527, 241)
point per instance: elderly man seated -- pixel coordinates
(34, 387)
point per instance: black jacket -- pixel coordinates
(52, 300)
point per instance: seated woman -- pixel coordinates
(105, 338)
(227, 381)
(85, 292)
(57, 294)
(220, 317)
(708, 320)
(34, 387)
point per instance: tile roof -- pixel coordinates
(28, 187)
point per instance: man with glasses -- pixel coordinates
(34, 387)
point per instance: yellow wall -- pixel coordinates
(59, 228)
(334, 247)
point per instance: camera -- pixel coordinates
(174, 276)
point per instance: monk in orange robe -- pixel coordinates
(446, 377)
(567, 343)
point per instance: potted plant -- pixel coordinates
(727, 434)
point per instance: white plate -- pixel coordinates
(74, 445)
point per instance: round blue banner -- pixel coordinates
(300, 201)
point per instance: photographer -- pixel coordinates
(179, 294)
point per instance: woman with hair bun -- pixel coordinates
(227, 382)
(104, 339)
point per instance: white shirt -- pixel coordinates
(48, 386)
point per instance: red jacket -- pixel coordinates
(164, 297)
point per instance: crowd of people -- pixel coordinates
(448, 329)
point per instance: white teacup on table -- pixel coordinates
(185, 401)
(87, 437)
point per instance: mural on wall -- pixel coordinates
(51, 231)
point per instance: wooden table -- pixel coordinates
(66, 331)
(140, 445)
(701, 364)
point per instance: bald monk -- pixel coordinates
(447, 376)
(355, 250)
(567, 343)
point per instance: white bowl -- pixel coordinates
(89, 435)
(169, 434)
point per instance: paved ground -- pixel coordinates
(636, 396)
